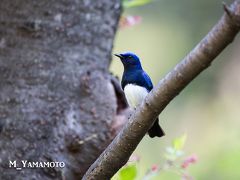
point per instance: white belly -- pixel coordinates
(135, 94)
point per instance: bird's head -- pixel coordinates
(130, 60)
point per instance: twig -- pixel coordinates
(118, 152)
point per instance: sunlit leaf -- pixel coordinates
(128, 172)
(179, 142)
(134, 3)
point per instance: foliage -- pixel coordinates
(173, 163)
(128, 172)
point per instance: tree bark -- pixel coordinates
(119, 151)
(57, 102)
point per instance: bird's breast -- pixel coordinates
(135, 94)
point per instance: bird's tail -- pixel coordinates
(156, 130)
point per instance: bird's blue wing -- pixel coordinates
(139, 78)
(147, 83)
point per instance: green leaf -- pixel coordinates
(134, 3)
(128, 172)
(179, 142)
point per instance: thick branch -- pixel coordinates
(118, 152)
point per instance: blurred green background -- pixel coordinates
(208, 110)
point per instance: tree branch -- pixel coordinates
(118, 152)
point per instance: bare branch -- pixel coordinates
(118, 152)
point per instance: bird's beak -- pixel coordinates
(119, 55)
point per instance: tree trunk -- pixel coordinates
(56, 99)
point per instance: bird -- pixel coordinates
(136, 84)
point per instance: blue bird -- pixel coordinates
(136, 84)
